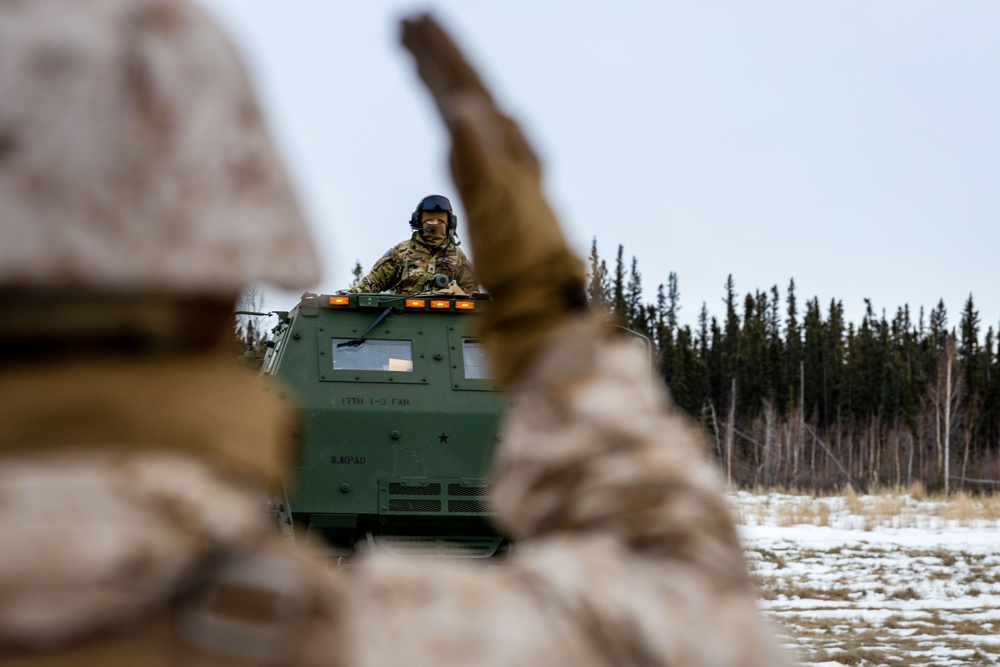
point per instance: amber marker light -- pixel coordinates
(415, 303)
(440, 304)
(339, 300)
(465, 305)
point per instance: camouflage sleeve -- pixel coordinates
(464, 275)
(384, 274)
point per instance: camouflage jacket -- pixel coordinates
(405, 268)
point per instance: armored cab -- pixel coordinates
(398, 421)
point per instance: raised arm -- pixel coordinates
(625, 552)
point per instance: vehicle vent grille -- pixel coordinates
(468, 506)
(459, 490)
(397, 489)
(421, 495)
(412, 505)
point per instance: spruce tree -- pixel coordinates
(597, 279)
(775, 353)
(752, 374)
(730, 336)
(991, 400)
(635, 311)
(619, 307)
(664, 337)
(972, 373)
(718, 377)
(673, 301)
(813, 355)
(357, 272)
(834, 355)
(969, 348)
(939, 326)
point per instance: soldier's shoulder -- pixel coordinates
(459, 254)
(401, 248)
(410, 245)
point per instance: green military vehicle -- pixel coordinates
(398, 421)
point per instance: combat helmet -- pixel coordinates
(133, 156)
(436, 203)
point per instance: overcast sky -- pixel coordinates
(852, 146)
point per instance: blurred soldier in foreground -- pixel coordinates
(140, 192)
(411, 266)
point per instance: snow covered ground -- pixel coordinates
(877, 580)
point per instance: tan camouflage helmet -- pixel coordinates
(133, 156)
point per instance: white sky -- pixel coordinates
(853, 146)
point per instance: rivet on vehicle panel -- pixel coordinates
(323, 377)
(345, 487)
(394, 435)
(439, 356)
(296, 336)
(282, 394)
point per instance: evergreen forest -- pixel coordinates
(792, 395)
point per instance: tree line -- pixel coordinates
(791, 394)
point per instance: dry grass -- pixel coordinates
(880, 602)
(852, 500)
(806, 512)
(890, 507)
(896, 641)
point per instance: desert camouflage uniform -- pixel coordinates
(135, 518)
(133, 485)
(141, 192)
(406, 267)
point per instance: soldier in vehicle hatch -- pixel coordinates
(409, 267)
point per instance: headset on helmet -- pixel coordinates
(436, 203)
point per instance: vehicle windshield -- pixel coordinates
(373, 355)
